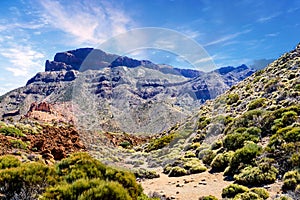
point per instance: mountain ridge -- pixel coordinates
(122, 88)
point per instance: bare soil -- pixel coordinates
(193, 186)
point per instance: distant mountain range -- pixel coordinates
(98, 90)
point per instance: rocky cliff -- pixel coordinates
(117, 93)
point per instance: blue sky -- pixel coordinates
(233, 32)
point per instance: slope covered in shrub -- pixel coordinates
(77, 177)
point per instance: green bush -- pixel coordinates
(87, 189)
(286, 118)
(290, 180)
(257, 103)
(194, 165)
(28, 129)
(26, 181)
(80, 165)
(83, 166)
(236, 140)
(284, 198)
(207, 156)
(221, 161)
(167, 169)
(216, 145)
(11, 131)
(197, 169)
(107, 190)
(262, 193)
(77, 177)
(178, 171)
(232, 98)
(247, 196)
(285, 135)
(126, 179)
(249, 118)
(161, 142)
(189, 154)
(243, 157)
(145, 197)
(9, 161)
(256, 176)
(209, 197)
(203, 122)
(144, 173)
(289, 117)
(295, 160)
(194, 145)
(271, 86)
(232, 190)
(19, 144)
(292, 135)
(125, 144)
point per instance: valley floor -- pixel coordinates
(192, 187)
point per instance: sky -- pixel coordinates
(229, 32)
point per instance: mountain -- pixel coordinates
(243, 144)
(101, 91)
(250, 134)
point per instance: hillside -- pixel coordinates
(250, 134)
(95, 90)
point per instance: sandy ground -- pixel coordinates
(192, 187)
(187, 187)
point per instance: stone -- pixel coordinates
(56, 66)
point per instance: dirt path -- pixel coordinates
(187, 187)
(194, 186)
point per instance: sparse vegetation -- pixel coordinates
(161, 142)
(18, 144)
(11, 131)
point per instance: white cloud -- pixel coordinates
(227, 38)
(22, 59)
(191, 33)
(204, 60)
(272, 34)
(268, 18)
(86, 21)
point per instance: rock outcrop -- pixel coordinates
(43, 107)
(121, 93)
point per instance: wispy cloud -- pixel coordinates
(22, 59)
(293, 9)
(226, 38)
(268, 18)
(205, 59)
(272, 34)
(85, 21)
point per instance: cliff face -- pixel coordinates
(118, 93)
